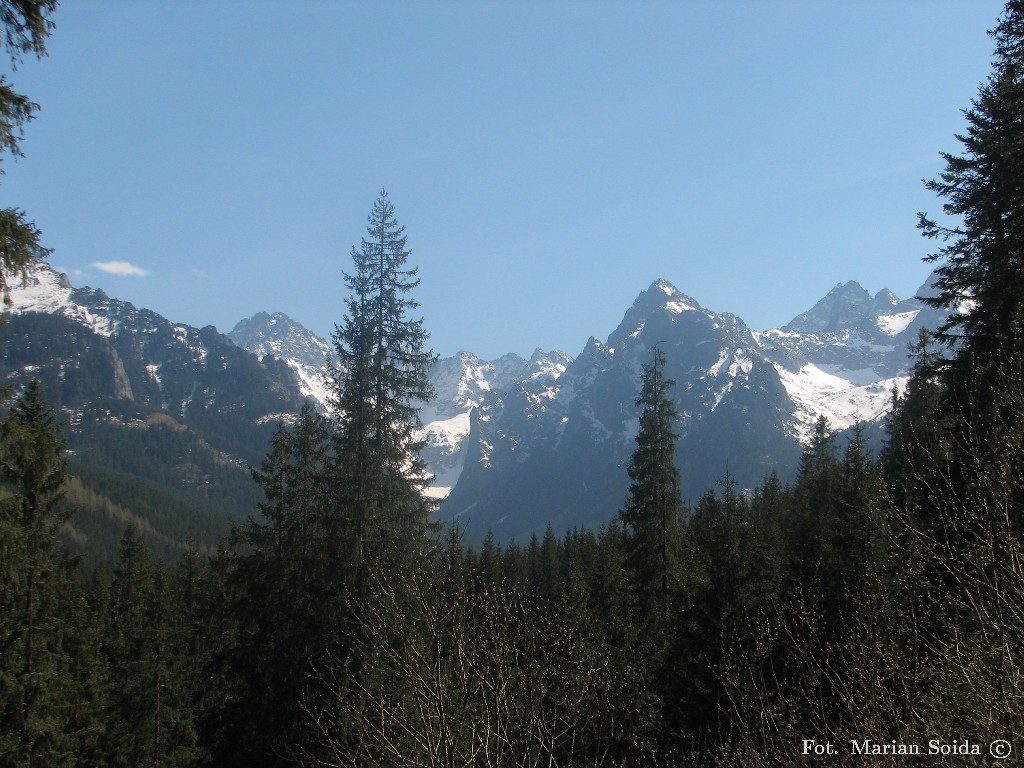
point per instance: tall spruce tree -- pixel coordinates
(33, 669)
(968, 509)
(982, 263)
(981, 277)
(379, 381)
(812, 518)
(654, 503)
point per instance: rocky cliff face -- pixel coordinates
(85, 346)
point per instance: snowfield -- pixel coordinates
(842, 401)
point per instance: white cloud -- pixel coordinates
(123, 268)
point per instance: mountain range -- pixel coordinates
(556, 451)
(514, 444)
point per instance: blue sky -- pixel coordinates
(549, 160)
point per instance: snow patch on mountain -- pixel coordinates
(278, 418)
(41, 290)
(45, 290)
(677, 302)
(893, 325)
(446, 437)
(464, 384)
(738, 363)
(817, 392)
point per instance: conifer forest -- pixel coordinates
(871, 606)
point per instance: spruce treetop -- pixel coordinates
(983, 188)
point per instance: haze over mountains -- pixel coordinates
(514, 444)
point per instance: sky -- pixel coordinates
(549, 160)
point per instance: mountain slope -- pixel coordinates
(843, 357)
(280, 337)
(160, 416)
(516, 444)
(556, 453)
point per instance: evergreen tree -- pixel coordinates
(191, 692)
(812, 517)
(83, 609)
(343, 527)
(33, 669)
(654, 504)
(861, 534)
(967, 512)
(489, 566)
(379, 380)
(152, 650)
(651, 519)
(136, 644)
(981, 280)
(913, 439)
(288, 585)
(982, 275)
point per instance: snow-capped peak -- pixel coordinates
(277, 335)
(672, 298)
(844, 306)
(44, 289)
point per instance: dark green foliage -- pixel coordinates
(343, 531)
(861, 535)
(133, 459)
(26, 25)
(653, 507)
(379, 382)
(290, 597)
(167, 517)
(34, 670)
(158, 656)
(956, 454)
(816, 485)
(977, 422)
(913, 440)
(981, 267)
(134, 640)
(376, 516)
(33, 465)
